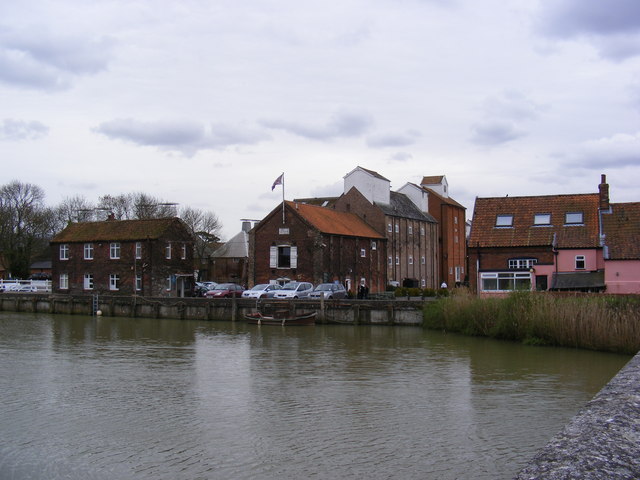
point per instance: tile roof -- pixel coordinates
(484, 232)
(622, 231)
(432, 180)
(116, 230)
(329, 221)
(447, 200)
(402, 206)
(319, 201)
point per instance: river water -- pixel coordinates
(84, 398)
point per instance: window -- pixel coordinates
(114, 250)
(504, 221)
(573, 218)
(397, 260)
(88, 281)
(64, 281)
(88, 251)
(389, 228)
(168, 284)
(515, 263)
(138, 250)
(64, 252)
(183, 252)
(422, 231)
(283, 231)
(138, 282)
(423, 260)
(542, 219)
(284, 256)
(410, 260)
(397, 228)
(363, 252)
(390, 261)
(455, 220)
(580, 262)
(505, 281)
(114, 282)
(167, 251)
(373, 245)
(458, 276)
(410, 229)
(423, 283)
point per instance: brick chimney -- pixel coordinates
(603, 189)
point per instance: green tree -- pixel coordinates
(26, 226)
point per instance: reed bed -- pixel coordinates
(590, 321)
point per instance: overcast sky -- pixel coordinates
(205, 102)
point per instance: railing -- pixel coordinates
(25, 286)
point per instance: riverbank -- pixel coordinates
(607, 323)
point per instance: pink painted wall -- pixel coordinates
(622, 276)
(567, 260)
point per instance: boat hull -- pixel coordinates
(257, 318)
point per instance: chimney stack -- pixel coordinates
(603, 189)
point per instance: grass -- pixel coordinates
(592, 321)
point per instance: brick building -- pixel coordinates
(124, 257)
(229, 262)
(308, 243)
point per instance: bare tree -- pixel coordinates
(74, 209)
(121, 206)
(26, 225)
(148, 206)
(205, 227)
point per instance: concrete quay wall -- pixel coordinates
(354, 312)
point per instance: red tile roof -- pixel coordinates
(622, 231)
(332, 222)
(484, 232)
(116, 230)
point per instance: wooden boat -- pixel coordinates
(259, 318)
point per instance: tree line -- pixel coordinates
(27, 225)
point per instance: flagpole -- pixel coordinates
(282, 198)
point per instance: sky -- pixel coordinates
(204, 103)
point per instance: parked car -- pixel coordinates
(225, 290)
(294, 290)
(261, 290)
(329, 290)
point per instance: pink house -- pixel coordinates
(621, 247)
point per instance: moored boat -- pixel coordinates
(259, 318)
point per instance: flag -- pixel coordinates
(277, 182)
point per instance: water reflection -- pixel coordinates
(154, 399)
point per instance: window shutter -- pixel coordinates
(294, 257)
(273, 257)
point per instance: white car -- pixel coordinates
(261, 290)
(294, 290)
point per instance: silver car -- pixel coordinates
(261, 290)
(294, 290)
(329, 290)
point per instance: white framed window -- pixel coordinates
(114, 250)
(138, 250)
(505, 281)
(458, 276)
(542, 219)
(581, 262)
(363, 252)
(504, 221)
(522, 262)
(373, 245)
(64, 251)
(389, 228)
(167, 251)
(283, 231)
(138, 282)
(283, 256)
(88, 281)
(410, 229)
(455, 219)
(573, 218)
(88, 251)
(114, 282)
(423, 260)
(422, 231)
(64, 281)
(423, 282)
(397, 228)
(183, 251)
(390, 261)
(410, 260)
(168, 284)
(397, 260)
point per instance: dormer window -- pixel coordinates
(542, 219)
(573, 218)
(504, 221)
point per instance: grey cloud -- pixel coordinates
(187, 137)
(36, 58)
(393, 139)
(341, 124)
(21, 130)
(612, 26)
(495, 132)
(620, 150)
(401, 157)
